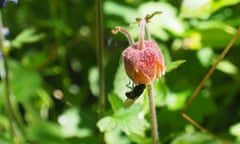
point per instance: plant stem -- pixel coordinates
(6, 83)
(153, 114)
(148, 36)
(142, 33)
(100, 62)
(125, 32)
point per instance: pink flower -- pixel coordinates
(143, 60)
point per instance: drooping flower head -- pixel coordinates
(143, 60)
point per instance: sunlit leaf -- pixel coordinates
(140, 139)
(192, 8)
(227, 67)
(235, 130)
(128, 120)
(120, 82)
(176, 101)
(167, 20)
(206, 56)
(215, 33)
(115, 135)
(106, 124)
(93, 80)
(115, 101)
(203, 8)
(69, 122)
(175, 64)
(24, 83)
(129, 14)
(26, 36)
(45, 97)
(196, 138)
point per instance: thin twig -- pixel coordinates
(211, 70)
(100, 56)
(100, 62)
(6, 82)
(153, 114)
(201, 84)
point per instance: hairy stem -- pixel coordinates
(100, 62)
(142, 33)
(6, 83)
(148, 36)
(153, 114)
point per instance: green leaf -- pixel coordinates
(215, 33)
(24, 83)
(93, 80)
(207, 105)
(160, 92)
(192, 8)
(115, 101)
(196, 138)
(206, 56)
(167, 20)
(120, 82)
(227, 67)
(33, 59)
(128, 120)
(4, 140)
(204, 8)
(173, 65)
(42, 130)
(106, 124)
(129, 14)
(235, 130)
(176, 100)
(26, 36)
(70, 121)
(115, 135)
(139, 139)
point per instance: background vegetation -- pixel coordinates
(52, 58)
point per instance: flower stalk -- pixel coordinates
(100, 63)
(153, 114)
(142, 33)
(6, 83)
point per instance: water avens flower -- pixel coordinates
(143, 61)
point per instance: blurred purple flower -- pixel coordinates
(3, 2)
(5, 31)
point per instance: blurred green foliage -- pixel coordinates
(54, 78)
